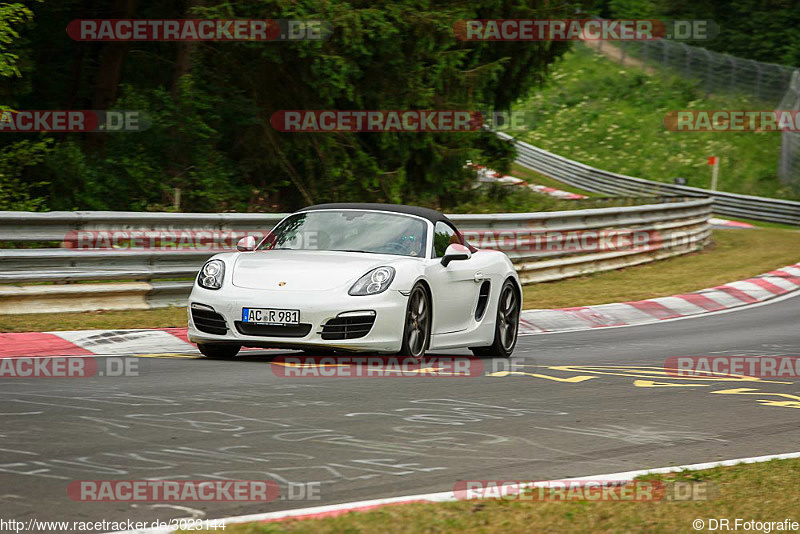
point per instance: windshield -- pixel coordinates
(350, 231)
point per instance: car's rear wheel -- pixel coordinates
(417, 329)
(217, 351)
(506, 325)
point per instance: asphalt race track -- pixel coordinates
(581, 403)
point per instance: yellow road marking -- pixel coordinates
(651, 384)
(570, 380)
(794, 403)
(653, 377)
(655, 372)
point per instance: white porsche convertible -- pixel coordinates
(357, 277)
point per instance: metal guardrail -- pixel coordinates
(680, 227)
(23, 226)
(600, 181)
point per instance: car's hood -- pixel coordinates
(301, 270)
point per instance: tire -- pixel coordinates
(417, 326)
(506, 324)
(218, 351)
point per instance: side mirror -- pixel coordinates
(455, 252)
(246, 244)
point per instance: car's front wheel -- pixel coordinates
(417, 329)
(217, 351)
(506, 325)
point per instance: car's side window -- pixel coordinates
(443, 236)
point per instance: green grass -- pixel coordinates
(514, 199)
(763, 224)
(763, 492)
(174, 316)
(734, 255)
(611, 116)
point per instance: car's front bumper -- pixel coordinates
(316, 309)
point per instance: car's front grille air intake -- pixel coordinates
(272, 330)
(348, 327)
(209, 321)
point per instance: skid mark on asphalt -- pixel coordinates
(641, 435)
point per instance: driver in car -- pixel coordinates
(411, 244)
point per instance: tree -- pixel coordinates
(15, 157)
(211, 103)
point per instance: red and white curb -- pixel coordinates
(492, 176)
(95, 343)
(733, 295)
(319, 512)
(725, 223)
(756, 290)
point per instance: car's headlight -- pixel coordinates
(211, 274)
(374, 282)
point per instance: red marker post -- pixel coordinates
(714, 161)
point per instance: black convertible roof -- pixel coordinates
(426, 213)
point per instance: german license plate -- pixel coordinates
(270, 316)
